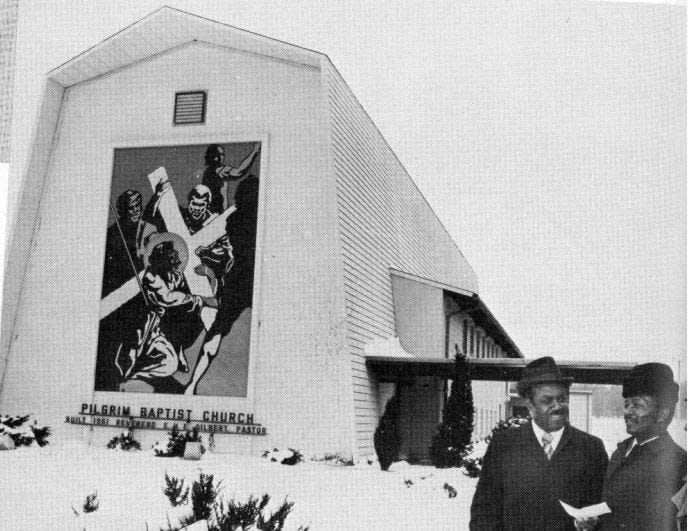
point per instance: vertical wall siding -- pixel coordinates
(384, 222)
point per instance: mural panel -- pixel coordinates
(175, 312)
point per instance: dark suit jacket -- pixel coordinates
(519, 489)
(638, 489)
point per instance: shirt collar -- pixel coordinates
(635, 443)
(539, 432)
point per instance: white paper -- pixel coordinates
(590, 511)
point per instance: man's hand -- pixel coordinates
(585, 524)
(223, 171)
(210, 302)
(162, 187)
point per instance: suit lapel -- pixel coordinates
(618, 457)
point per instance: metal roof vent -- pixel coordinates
(190, 107)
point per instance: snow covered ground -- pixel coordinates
(41, 486)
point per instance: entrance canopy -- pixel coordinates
(500, 369)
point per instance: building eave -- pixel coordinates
(494, 369)
(165, 29)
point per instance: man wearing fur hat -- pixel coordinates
(648, 468)
(527, 470)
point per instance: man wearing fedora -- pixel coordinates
(527, 470)
(648, 468)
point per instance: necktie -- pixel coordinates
(547, 441)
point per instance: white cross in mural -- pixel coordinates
(198, 284)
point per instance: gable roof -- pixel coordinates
(165, 29)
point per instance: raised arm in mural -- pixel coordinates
(216, 173)
(232, 258)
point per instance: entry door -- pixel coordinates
(419, 416)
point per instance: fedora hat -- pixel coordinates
(541, 371)
(653, 379)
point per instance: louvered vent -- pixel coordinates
(190, 107)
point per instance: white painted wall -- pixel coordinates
(419, 317)
(384, 223)
(299, 379)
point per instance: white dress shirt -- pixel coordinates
(539, 432)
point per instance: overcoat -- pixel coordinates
(638, 488)
(520, 489)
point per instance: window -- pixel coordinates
(190, 108)
(465, 338)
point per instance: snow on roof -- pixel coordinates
(389, 347)
(165, 29)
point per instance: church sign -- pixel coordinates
(160, 418)
(175, 311)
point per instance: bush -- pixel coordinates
(91, 503)
(472, 461)
(453, 437)
(23, 434)
(451, 491)
(335, 459)
(286, 457)
(175, 491)
(124, 441)
(472, 466)
(177, 441)
(386, 437)
(235, 515)
(203, 496)
(229, 516)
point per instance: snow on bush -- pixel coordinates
(22, 431)
(334, 459)
(284, 457)
(177, 441)
(125, 442)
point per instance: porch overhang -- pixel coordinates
(474, 306)
(389, 369)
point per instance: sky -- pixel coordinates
(549, 138)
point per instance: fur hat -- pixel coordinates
(541, 371)
(653, 379)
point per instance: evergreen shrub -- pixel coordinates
(453, 436)
(386, 437)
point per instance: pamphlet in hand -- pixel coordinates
(590, 511)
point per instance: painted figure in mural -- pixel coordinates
(125, 242)
(172, 322)
(528, 470)
(217, 173)
(196, 215)
(232, 259)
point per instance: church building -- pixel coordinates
(213, 232)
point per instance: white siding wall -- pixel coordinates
(384, 223)
(299, 379)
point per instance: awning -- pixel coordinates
(494, 369)
(482, 316)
